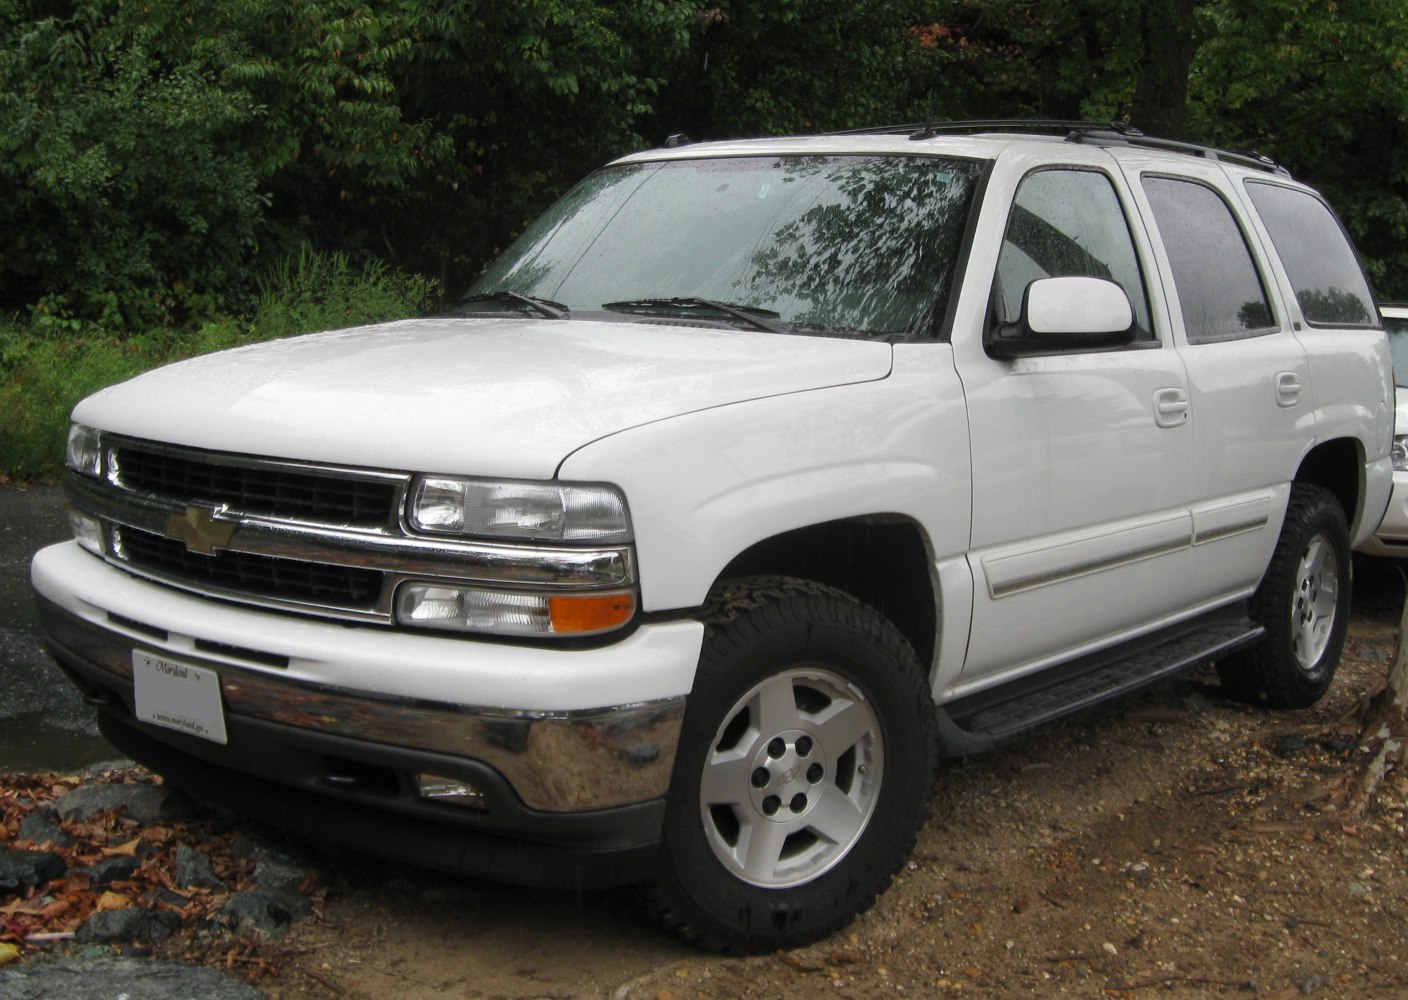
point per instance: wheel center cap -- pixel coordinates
(787, 776)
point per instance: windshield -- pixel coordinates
(1398, 340)
(849, 245)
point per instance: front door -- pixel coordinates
(1082, 461)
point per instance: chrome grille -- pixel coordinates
(297, 536)
(264, 491)
(345, 587)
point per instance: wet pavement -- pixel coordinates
(44, 724)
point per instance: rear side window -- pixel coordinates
(1219, 289)
(1324, 270)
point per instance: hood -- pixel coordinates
(502, 397)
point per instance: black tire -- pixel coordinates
(749, 866)
(1303, 603)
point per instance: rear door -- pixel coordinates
(1248, 376)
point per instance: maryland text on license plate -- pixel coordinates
(178, 696)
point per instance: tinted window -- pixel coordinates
(1322, 266)
(845, 244)
(1068, 223)
(1219, 289)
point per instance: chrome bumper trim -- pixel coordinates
(555, 761)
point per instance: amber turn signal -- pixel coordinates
(588, 613)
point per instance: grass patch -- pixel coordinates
(48, 365)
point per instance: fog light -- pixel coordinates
(450, 791)
(87, 532)
(507, 612)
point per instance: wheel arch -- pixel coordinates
(883, 560)
(1338, 466)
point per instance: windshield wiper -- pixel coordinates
(544, 307)
(752, 315)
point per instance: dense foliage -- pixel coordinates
(159, 158)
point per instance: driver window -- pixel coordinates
(1068, 223)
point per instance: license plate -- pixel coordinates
(178, 696)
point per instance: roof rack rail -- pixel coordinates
(1090, 132)
(1256, 161)
(1043, 126)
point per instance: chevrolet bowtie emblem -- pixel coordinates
(200, 531)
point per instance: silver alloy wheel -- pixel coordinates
(792, 778)
(1315, 601)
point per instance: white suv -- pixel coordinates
(1392, 537)
(754, 479)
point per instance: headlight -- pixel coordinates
(1399, 453)
(85, 451)
(534, 511)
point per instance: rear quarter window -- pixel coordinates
(1319, 260)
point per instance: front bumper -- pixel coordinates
(552, 770)
(1391, 538)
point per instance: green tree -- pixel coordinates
(164, 153)
(1321, 87)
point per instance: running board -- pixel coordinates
(989, 718)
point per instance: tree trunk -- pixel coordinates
(1386, 723)
(1165, 55)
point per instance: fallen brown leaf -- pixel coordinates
(113, 901)
(787, 958)
(55, 909)
(127, 850)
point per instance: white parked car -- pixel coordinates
(755, 478)
(1392, 537)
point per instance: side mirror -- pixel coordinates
(1060, 315)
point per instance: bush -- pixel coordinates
(320, 291)
(51, 363)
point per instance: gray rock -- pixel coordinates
(261, 852)
(25, 869)
(42, 826)
(110, 870)
(267, 911)
(113, 978)
(194, 871)
(279, 877)
(131, 924)
(144, 803)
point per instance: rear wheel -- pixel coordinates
(1303, 603)
(804, 767)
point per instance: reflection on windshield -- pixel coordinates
(832, 244)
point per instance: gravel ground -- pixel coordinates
(1174, 845)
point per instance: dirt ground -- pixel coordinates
(1175, 845)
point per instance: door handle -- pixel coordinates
(1288, 389)
(1170, 407)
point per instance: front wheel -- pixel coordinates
(803, 770)
(1303, 603)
